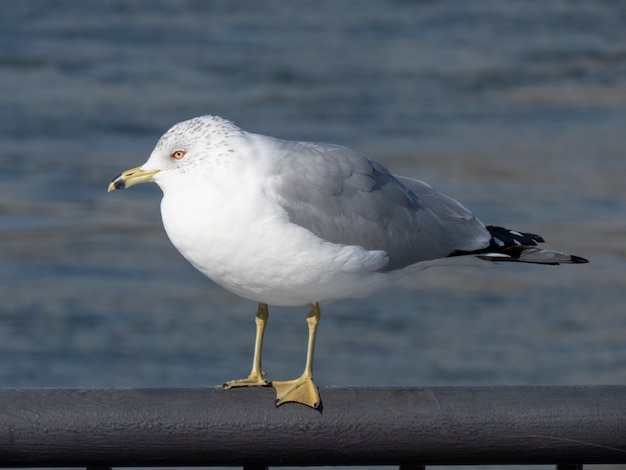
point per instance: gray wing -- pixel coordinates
(346, 198)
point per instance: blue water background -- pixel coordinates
(518, 109)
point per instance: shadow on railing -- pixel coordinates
(409, 427)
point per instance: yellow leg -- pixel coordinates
(256, 375)
(303, 389)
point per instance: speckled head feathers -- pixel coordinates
(213, 130)
(202, 141)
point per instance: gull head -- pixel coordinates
(186, 148)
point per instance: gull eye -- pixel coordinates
(178, 154)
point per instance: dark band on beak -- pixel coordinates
(118, 183)
(131, 177)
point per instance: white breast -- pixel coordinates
(237, 236)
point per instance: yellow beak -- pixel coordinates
(131, 177)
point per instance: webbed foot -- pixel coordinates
(253, 380)
(301, 390)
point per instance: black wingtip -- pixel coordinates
(503, 237)
(579, 259)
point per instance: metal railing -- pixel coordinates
(405, 426)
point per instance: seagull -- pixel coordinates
(290, 223)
